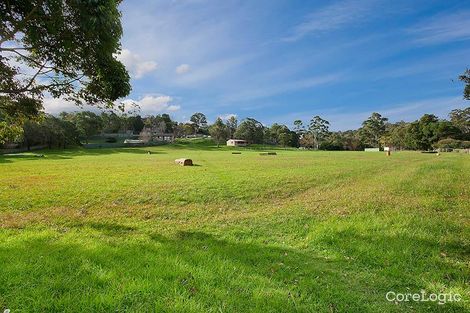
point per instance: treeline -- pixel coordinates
(69, 129)
(424, 134)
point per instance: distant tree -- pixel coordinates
(319, 128)
(396, 135)
(32, 134)
(87, 123)
(169, 123)
(428, 130)
(199, 120)
(250, 130)
(219, 131)
(334, 141)
(232, 124)
(372, 129)
(112, 123)
(280, 135)
(460, 118)
(68, 46)
(465, 78)
(299, 128)
(136, 123)
(307, 141)
(185, 129)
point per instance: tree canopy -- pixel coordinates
(465, 78)
(250, 130)
(64, 48)
(373, 128)
(219, 131)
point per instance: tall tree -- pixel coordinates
(66, 48)
(250, 130)
(87, 123)
(461, 119)
(465, 78)
(373, 128)
(136, 123)
(218, 131)
(232, 124)
(299, 127)
(112, 123)
(319, 128)
(199, 120)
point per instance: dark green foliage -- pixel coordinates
(319, 128)
(280, 135)
(69, 45)
(372, 129)
(136, 123)
(250, 130)
(199, 121)
(232, 124)
(453, 144)
(219, 131)
(460, 118)
(465, 78)
(50, 131)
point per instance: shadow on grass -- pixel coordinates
(72, 153)
(189, 271)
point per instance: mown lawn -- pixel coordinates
(120, 230)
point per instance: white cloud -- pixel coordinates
(56, 105)
(227, 116)
(183, 68)
(153, 104)
(330, 18)
(135, 64)
(443, 28)
(145, 106)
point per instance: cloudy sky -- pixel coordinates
(281, 60)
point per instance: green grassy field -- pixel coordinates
(119, 230)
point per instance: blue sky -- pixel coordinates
(278, 61)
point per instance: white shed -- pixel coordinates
(237, 142)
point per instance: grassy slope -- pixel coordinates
(121, 230)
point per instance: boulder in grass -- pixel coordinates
(184, 162)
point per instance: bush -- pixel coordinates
(111, 139)
(452, 144)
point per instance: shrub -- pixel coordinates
(110, 139)
(452, 144)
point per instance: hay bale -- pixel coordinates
(184, 162)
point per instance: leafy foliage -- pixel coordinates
(465, 78)
(200, 122)
(219, 131)
(250, 130)
(61, 47)
(372, 129)
(319, 128)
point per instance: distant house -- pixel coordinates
(134, 142)
(236, 143)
